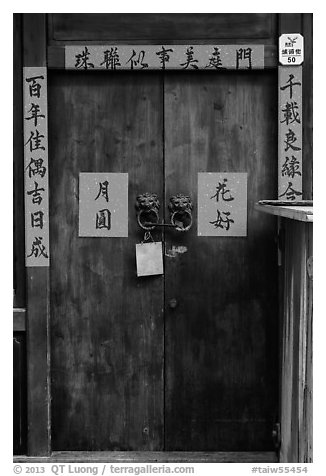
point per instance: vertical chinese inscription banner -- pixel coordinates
(290, 133)
(222, 204)
(103, 204)
(36, 167)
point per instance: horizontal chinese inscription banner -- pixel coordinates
(103, 204)
(222, 204)
(36, 167)
(290, 133)
(142, 57)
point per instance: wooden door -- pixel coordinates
(128, 371)
(107, 326)
(221, 338)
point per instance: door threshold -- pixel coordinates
(152, 457)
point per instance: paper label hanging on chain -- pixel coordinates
(149, 258)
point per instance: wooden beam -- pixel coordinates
(38, 398)
(153, 457)
(37, 286)
(296, 414)
(307, 445)
(296, 410)
(18, 150)
(271, 59)
(34, 39)
(290, 23)
(307, 75)
(149, 27)
(56, 57)
(19, 393)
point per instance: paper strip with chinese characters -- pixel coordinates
(36, 167)
(103, 204)
(146, 57)
(290, 133)
(222, 204)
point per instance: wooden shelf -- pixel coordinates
(301, 211)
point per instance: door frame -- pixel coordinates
(36, 51)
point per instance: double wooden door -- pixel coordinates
(130, 371)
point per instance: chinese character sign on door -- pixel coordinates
(103, 204)
(146, 57)
(222, 204)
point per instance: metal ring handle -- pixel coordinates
(141, 213)
(183, 212)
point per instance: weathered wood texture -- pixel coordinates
(18, 171)
(34, 39)
(307, 94)
(159, 27)
(38, 398)
(296, 372)
(108, 390)
(37, 287)
(19, 393)
(296, 330)
(152, 457)
(221, 339)
(289, 23)
(107, 324)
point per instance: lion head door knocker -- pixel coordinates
(147, 207)
(180, 207)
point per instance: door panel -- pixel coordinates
(220, 339)
(128, 371)
(106, 325)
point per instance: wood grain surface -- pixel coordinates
(19, 394)
(19, 283)
(307, 125)
(107, 324)
(132, 376)
(296, 359)
(220, 342)
(221, 338)
(37, 290)
(152, 457)
(68, 27)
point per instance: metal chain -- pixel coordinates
(147, 237)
